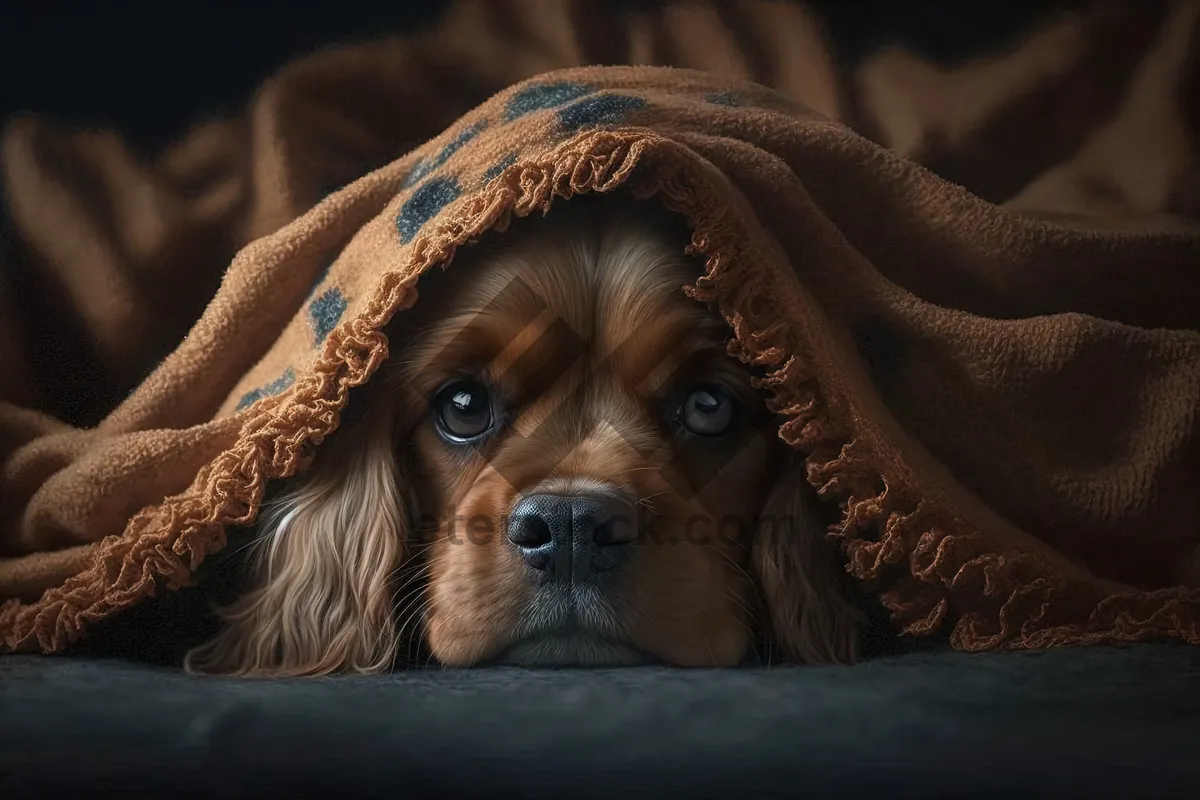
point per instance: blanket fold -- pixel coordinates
(978, 320)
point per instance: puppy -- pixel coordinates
(559, 465)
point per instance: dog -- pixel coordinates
(559, 464)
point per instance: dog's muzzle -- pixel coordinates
(573, 538)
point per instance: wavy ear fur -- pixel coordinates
(321, 571)
(797, 573)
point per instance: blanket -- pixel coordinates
(971, 288)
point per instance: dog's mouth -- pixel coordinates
(570, 626)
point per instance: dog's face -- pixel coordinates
(561, 464)
(595, 458)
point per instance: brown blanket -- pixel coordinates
(998, 384)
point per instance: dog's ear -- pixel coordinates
(796, 569)
(321, 571)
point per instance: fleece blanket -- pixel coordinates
(972, 288)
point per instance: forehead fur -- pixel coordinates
(600, 284)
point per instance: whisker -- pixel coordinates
(408, 608)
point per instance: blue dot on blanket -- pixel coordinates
(424, 205)
(724, 99)
(273, 388)
(599, 110)
(427, 166)
(497, 169)
(546, 95)
(325, 311)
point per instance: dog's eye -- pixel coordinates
(708, 411)
(463, 411)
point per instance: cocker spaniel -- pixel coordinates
(560, 464)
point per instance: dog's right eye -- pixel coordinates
(463, 411)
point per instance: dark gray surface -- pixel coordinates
(1093, 722)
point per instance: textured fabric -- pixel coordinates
(998, 388)
(1103, 722)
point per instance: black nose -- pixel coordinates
(572, 538)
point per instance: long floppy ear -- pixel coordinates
(321, 570)
(797, 573)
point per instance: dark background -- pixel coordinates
(153, 69)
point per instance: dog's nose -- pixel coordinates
(572, 538)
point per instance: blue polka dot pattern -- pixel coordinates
(270, 390)
(416, 175)
(599, 110)
(325, 311)
(424, 168)
(547, 95)
(495, 170)
(724, 99)
(424, 205)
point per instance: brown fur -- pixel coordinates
(597, 324)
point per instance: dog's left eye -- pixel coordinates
(708, 411)
(463, 411)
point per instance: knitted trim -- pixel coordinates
(994, 598)
(933, 566)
